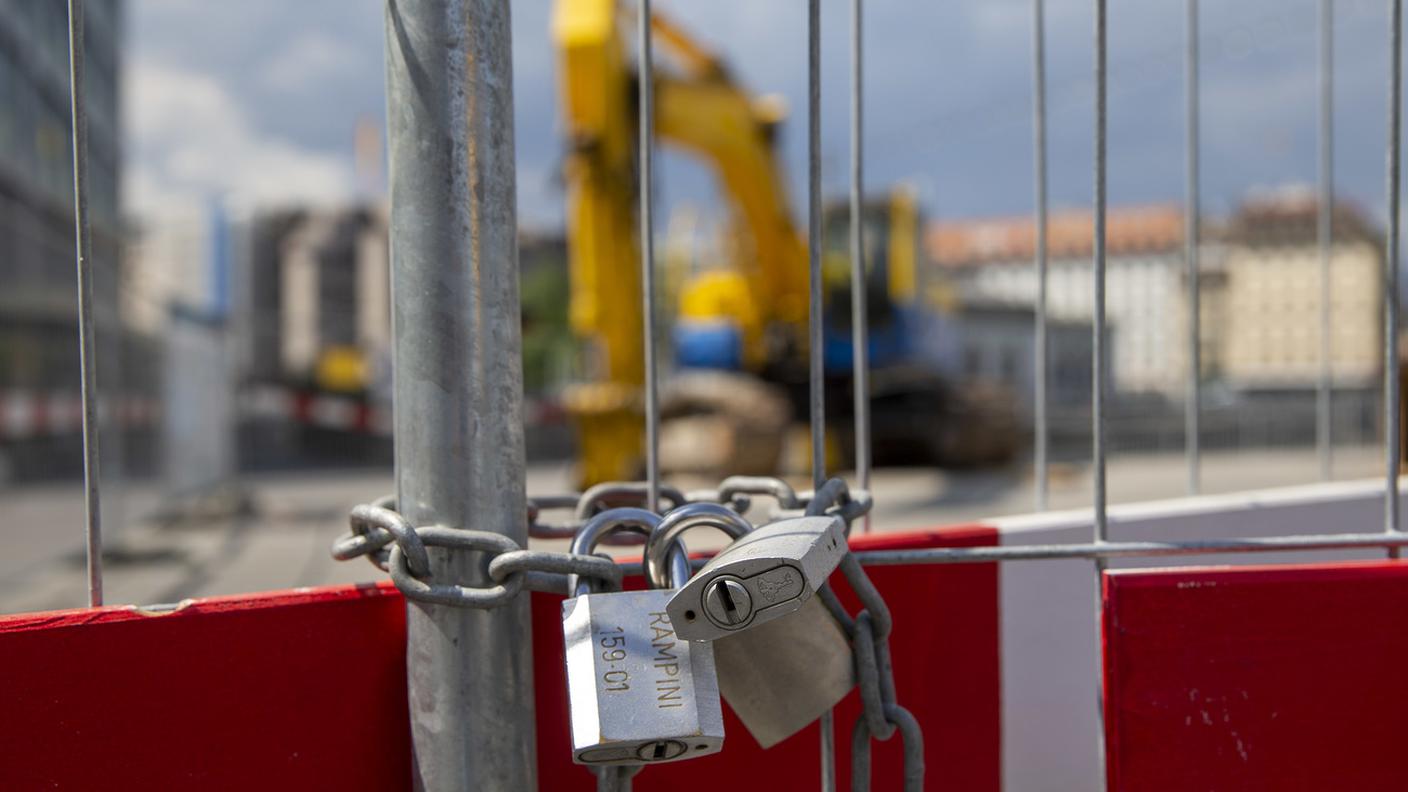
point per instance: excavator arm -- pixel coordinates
(599, 173)
(700, 110)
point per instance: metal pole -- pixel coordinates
(1097, 398)
(1325, 230)
(816, 359)
(458, 378)
(87, 360)
(860, 321)
(647, 255)
(1194, 401)
(1392, 424)
(1041, 364)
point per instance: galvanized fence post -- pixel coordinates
(459, 378)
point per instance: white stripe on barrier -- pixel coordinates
(1047, 632)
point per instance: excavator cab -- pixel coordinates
(889, 235)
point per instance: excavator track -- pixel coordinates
(713, 421)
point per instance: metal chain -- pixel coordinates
(881, 714)
(389, 541)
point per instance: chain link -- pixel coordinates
(614, 494)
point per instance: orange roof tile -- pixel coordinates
(1128, 230)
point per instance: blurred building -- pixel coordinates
(313, 329)
(312, 332)
(39, 361)
(319, 306)
(38, 306)
(1260, 290)
(990, 261)
(1269, 310)
(1260, 294)
(998, 348)
(177, 286)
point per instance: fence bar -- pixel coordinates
(860, 321)
(1324, 231)
(647, 254)
(1098, 443)
(1105, 550)
(1041, 354)
(1194, 401)
(459, 379)
(87, 348)
(1100, 363)
(1392, 414)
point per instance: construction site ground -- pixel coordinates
(280, 539)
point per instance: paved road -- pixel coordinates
(284, 542)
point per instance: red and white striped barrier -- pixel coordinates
(26, 414)
(1047, 608)
(349, 413)
(325, 411)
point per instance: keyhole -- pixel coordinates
(727, 602)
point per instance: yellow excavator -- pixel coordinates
(739, 336)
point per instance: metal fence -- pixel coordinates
(458, 386)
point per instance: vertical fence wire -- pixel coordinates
(1100, 363)
(88, 363)
(814, 318)
(816, 360)
(1392, 423)
(647, 255)
(1041, 365)
(860, 322)
(1324, 437)
(1193, 402)
(1098, 376)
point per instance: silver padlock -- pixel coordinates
(639, 694)
(783, 665)
(765, 575)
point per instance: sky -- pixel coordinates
(256, 101)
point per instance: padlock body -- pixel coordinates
(775, 569)
(780, 676)
(639, 693)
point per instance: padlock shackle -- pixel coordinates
(661, 569)
(611, 521)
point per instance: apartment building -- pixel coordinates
(38, 306)
(1273, 294)
(989, 262)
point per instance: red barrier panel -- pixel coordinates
(286, 690)
(1257, 678)
(306, 690)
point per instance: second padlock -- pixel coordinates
(782, 668)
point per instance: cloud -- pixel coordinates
(948, 93)
(307, 61)
(191, 140)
